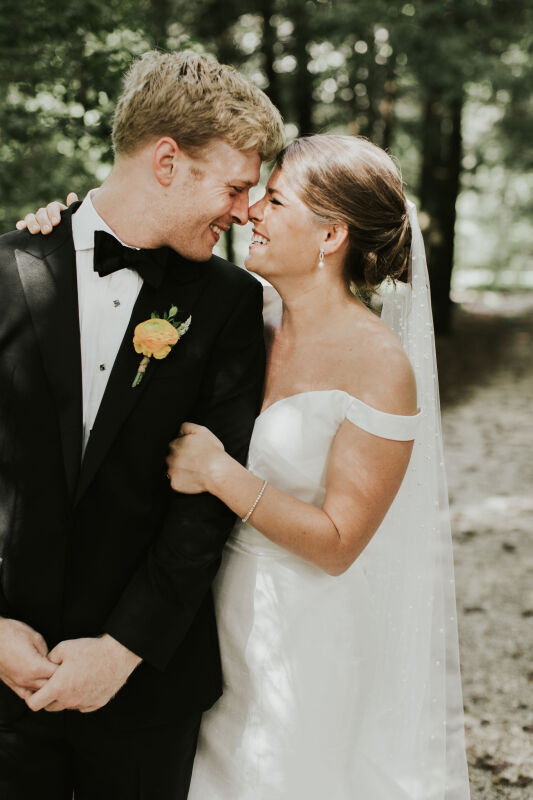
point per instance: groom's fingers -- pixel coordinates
(38, 684)
(56, 655)
(42, 668)
(55, 707)
(45, 697)
(40, 644)
(188, 427)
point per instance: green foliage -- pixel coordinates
(372, 67)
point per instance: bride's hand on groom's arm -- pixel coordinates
(46, 218)
(89, 673)
(24, 665)
(195, 456)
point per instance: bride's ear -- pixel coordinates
(336, 236)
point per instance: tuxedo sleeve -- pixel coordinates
(162, 598)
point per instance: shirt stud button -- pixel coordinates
(102, 367)
(116, 303)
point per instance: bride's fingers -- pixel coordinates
(43, 220)
(30, 223)
(50, 216)
(53, 210)
(72, 197)
(38, 222)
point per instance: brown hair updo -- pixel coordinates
(348, 179)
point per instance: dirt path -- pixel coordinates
(486, 372)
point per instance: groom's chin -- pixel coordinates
(197, 254)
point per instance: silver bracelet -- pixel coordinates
(257, 499)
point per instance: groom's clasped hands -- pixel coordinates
(82, 674)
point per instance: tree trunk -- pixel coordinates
(302, 101)
(267, 8)
(304, 91)
(161, 11)
(387, 105)
(439, 187)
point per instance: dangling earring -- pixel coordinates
(321, 261)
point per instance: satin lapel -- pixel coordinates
(181, 287)
(50, 287)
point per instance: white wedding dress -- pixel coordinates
(299, 647)
(348, 687)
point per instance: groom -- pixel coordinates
(105, 580)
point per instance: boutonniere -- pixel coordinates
(156, 337)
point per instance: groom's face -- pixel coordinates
(208, 195)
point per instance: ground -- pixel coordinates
(486, 374)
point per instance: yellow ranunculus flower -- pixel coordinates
(155, 337)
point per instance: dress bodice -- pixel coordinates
(292, 440)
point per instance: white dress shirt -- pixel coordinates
(105, 306)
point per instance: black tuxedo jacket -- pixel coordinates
(105, 545)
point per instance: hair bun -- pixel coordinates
(391, 260)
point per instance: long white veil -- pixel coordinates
(416, 713)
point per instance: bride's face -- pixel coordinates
(286, 236)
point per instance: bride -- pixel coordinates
(331, 598)
(335, 598)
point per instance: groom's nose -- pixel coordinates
(239, 211)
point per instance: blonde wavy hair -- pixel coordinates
(194, 99)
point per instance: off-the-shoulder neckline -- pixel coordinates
(338, 391)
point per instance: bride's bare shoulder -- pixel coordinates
(378, 371)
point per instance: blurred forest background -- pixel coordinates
(445, 85)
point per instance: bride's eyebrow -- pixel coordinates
(271, 191)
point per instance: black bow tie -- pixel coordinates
(110, 256)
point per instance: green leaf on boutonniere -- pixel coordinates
(173, 311)
(184, 327)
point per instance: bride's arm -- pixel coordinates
(364, 475)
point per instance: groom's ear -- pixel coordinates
(165, 159)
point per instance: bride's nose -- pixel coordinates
(255, 212)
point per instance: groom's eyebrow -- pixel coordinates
(240, 182)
